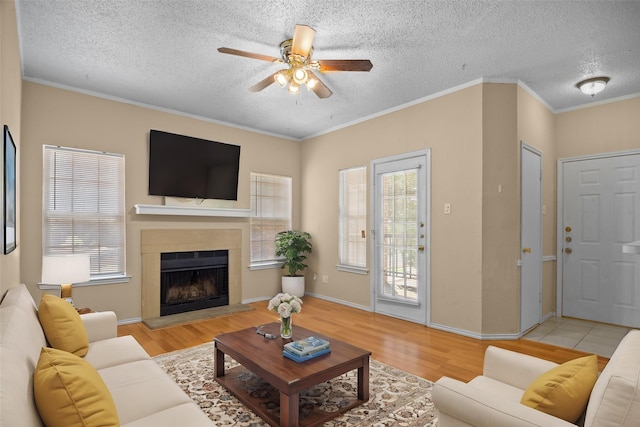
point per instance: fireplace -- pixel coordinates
(193, 281)
(155, 242)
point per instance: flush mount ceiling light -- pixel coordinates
(593, 86)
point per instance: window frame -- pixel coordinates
(266, 263)
(52, 183)
(345, 217)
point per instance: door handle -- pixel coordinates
(526, 250)
(567, 250)
(421, 248)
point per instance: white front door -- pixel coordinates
(531, 238)
(401, 236)
(601, 212)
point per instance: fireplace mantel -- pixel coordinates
(191, 211)
(153, 242)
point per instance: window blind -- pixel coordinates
(83, 207)
(270, 214)
(353, 217)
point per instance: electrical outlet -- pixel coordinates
(447, 208)
(325, 278)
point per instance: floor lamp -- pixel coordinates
(65, 270)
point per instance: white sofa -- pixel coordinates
(493, 399)
(144, 395)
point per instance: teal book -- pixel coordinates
(307, 345)
(297, 358)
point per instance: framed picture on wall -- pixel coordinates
(9, 192)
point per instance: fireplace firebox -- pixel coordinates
(193, 281)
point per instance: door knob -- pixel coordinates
(526, 250)
(567, 250)
(421, 248)
(567, 229)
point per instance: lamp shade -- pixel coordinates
(65, 269)
(631, 248)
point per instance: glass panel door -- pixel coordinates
(400, 238)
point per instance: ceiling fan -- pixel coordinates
(296, 54)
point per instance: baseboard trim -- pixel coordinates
(339, 301)
(129, 321)
(475, 335)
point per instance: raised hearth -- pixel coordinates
(155, 242)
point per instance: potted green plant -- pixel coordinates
(292, 245)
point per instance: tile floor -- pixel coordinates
(584, 335)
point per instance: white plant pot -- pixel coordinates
(293, 285)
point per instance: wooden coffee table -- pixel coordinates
(264, 358)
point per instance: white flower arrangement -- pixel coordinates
(285, 305)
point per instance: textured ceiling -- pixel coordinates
(162, 53)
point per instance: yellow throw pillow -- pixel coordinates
(564, 390)
(62, 325)
(69, 392)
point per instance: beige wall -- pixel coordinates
(601, 129)
(500, 210)
(451, 127)
(60, 117)
(10, 115)
(536, 128)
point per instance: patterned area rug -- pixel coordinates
(397, 398)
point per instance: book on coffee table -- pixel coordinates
(309, 356)
(307, 346)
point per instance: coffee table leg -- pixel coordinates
(289, 409)
(218, 362)
(363, 381)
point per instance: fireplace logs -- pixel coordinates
(193, 281)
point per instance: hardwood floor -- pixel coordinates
(426, 352)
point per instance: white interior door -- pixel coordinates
(400, 241)
(531, 238)
(601, 212)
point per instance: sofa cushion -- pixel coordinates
(140, 389)
(69, 392)
(21, 340)
(564, 390)
(115, 351)
(186, 414)
(615, 399)
(62, 325)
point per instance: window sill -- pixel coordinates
(93, 282)
(352, 269)
(265, 265)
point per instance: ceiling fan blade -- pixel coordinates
(263, 83)
(345, 65)
(248, 54)
(302, 40)
(319, 88)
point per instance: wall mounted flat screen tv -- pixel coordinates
(183, 166)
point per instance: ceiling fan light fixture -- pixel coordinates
(300, 76)
(593, 86)
(282, 78)
(311, 83)
(294, 88)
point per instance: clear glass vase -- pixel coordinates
(286, 327)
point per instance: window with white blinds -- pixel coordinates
(353, 219)
(83, 207)
(270, 214)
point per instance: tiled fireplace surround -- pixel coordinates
(155, 242)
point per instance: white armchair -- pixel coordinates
(493, 399)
